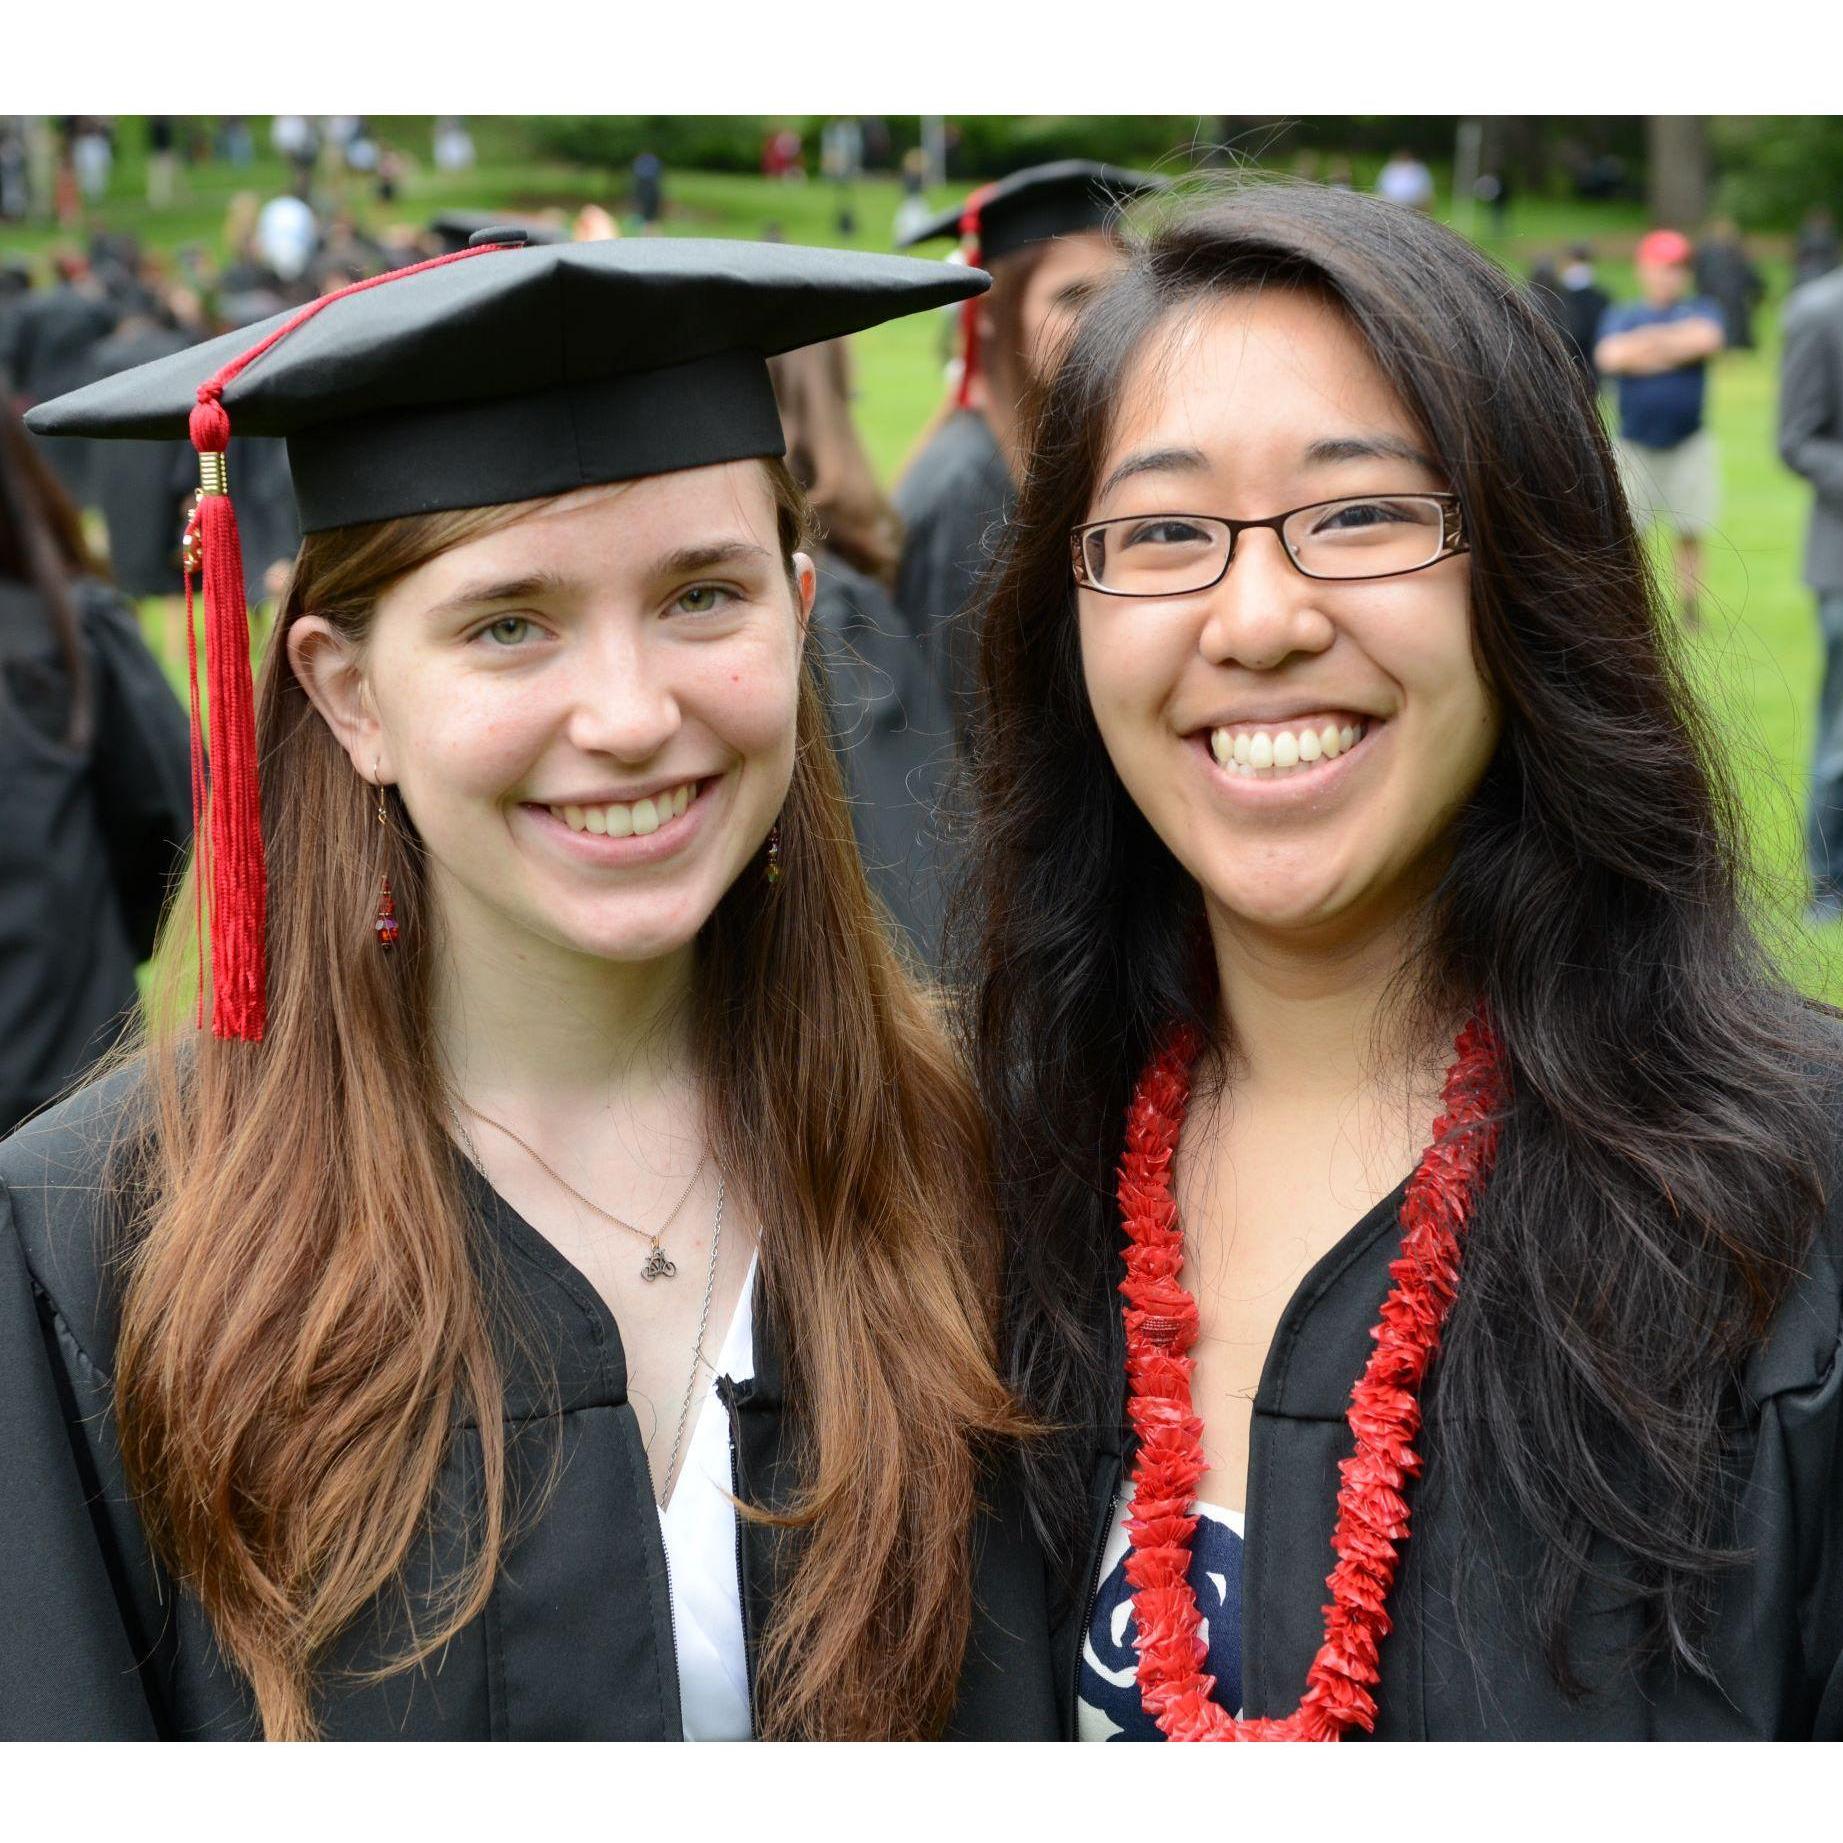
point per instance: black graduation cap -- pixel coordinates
(510, 373)
(1037, 203)
(500, 373)
(457, 229)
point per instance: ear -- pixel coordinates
(806, 575)
(329, 670)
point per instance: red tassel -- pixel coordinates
(239, 879)
(969, 310)
(226, 807)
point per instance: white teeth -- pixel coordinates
(1267, 753)
(618, 819)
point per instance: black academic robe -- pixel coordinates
(576, 1640)
(954, 501)
(92, 840)
(1778, 1639)
(142, 488)
(56, 332)
(894, 740)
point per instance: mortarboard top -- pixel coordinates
(457, 229)
(1037, 203)
(495, 374)
(514, 373)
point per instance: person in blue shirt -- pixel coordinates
(1656, 350)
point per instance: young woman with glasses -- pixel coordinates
(1416, 1176)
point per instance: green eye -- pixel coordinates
(704, 598)
(508, 630)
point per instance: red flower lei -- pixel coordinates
(1385, 1412)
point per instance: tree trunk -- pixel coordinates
(1677, 182)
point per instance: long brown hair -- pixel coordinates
(812, 387)
(302, 1322)
(42, 545)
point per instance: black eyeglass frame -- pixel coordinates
(1453, 542)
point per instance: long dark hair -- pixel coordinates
(42, 545)
(1661, 1170)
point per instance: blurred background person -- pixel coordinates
(1046, 235)
(1726, 275)
(649, 173)
(1406, 180)
(1814, 250)
(890, 723)
(1583, 305)
(97, 768)
(1657, 348)
(1811, 444)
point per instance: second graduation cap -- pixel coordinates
(497, 374)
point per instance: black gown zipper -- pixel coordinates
(1086, 1610)
(731, 1396)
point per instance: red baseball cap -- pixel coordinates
(1662, 249)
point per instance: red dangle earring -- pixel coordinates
(386, 921)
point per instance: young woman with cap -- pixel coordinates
(366, 1361)
(1421, 1190)
(1047, 234)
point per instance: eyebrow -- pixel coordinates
(1337, 448)
(1153, 461)
(530, 587)
(537, 584)
(1326, 452)
(695, 557)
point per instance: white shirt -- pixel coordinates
(1108, 1706)
(699, 1528)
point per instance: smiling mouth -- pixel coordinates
(1268, 751)
(629, 819)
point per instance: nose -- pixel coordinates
(622, 702)
(1263, 611)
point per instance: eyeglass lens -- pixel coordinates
(1170, 554)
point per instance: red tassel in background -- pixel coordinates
(969, 310)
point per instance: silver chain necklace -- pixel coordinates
(697, 1343)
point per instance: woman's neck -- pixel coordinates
(525, 1025)
(1308, 1021)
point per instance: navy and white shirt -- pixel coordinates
(1108, 1706)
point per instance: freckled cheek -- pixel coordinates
(749, 704)
(470, 741)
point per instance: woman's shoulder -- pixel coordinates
(55, 1187)
(1801, 1348)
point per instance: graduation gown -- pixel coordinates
(142, 488)
(91, 842)
(576, 1640)
(894, 740)
(1778, 1637)
(954, 500)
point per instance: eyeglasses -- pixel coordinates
(1336, 540)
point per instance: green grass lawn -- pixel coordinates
(1755, 662)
